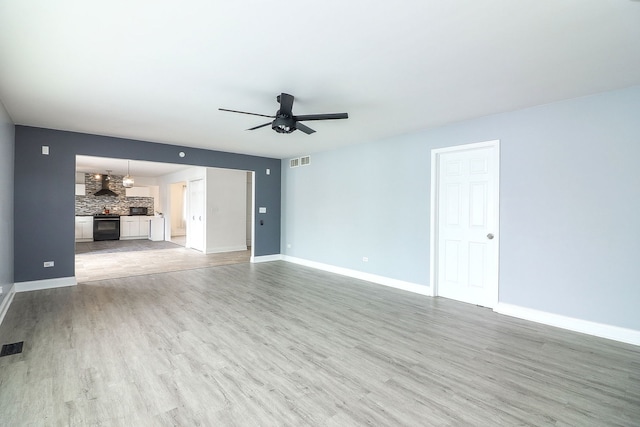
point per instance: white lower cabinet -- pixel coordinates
(84, 228)
(144, 226)
(129, 227)
(134, 227)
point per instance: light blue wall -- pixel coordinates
(570, 206)
(7, 145)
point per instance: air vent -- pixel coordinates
(294, 163)
(9, 349)
(304, 161)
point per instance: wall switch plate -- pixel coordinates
(268, 171)
(262, 210)
(48, 264)
(45, 150)
(365, 259)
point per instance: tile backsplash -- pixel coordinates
(90, 204)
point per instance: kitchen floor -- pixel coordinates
(125, 258)
(110, 246)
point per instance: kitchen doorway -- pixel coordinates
(140, 256)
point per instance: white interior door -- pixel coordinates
(466, 223)
(195, 224)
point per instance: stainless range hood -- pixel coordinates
(105, 191)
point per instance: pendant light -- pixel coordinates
(127, 181)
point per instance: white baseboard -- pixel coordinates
(6, 302)
(374, 278)
(266, 258)
(616, 333)
(37, 285)
(222, 249)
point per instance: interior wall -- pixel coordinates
(88, 204)
(570, 199)
(226, 210)
(46, 183)
(249, 204)
(7, 144)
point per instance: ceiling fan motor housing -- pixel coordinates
(283, 124)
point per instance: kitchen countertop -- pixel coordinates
(110, 213)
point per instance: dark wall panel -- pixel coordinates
(44, 192)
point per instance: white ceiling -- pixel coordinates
(135, 168)
(158, 70)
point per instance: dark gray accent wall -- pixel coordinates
(7, 143)
(45, 192)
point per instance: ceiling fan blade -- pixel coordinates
(305, 129)
(244, 112)
(286, 104)
(328, 116)
(259, 126)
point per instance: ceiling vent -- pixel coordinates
(294, 163)
(304, 161)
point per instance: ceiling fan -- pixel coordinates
(285, 121)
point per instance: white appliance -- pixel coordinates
(156, 228)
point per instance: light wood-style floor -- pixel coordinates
(99, 266)
(279, 344)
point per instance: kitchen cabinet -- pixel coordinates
(144, 226)
(129, 227)
(81, 190)
(134, 227)
(84, 228)
(138, 192)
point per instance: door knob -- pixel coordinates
(490, 236)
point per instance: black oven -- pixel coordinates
(106, 227)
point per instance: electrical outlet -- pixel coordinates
(48, 264)
(365, 259)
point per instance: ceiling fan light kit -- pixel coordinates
(283, 124)
(284, 119)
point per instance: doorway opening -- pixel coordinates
(179, 214)
(163, 190)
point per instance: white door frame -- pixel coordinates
(253, 217)
(433, 249)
